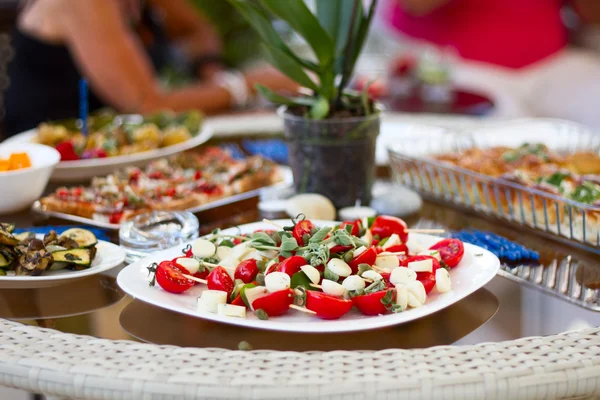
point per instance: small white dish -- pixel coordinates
(20, 188)
(107, 257)
(476, 269)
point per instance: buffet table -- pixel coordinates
(90, 340)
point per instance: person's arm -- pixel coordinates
(112, 58)
(588, 10)
(419, 8)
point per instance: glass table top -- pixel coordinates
(502, 310)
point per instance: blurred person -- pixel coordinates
(117, 46)
(514, 50)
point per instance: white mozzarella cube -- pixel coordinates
(414, 246)
(402, 296)
(240, 250)
(230, 310)
(339, 267)
(312, 273)
(387, 261)
(393, 240)
(276, 281)
(421, 266)
(417, 289)
(332, 288)
(402, 275)
(353, 282)
(203, 248)
(254, 293)
(223, 252)
(210, 299)
(191, 265)
(372, 275)
(443, 283)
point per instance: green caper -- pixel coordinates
(349, 256)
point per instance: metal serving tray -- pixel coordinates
(576, 223)
(287, 182)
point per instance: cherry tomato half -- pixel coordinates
(202, 274)
(327, 306)
(290, 265)
(385, 226)
(246, 271)
(368, 256)
(451, 251)
(356, 226)
(219, 279)
(301, 229)
(370, 304)
(386, 278)
(399, 248)
(276, 303)
(170, 277)
(427, 279)
(238, 301)
(339, 249)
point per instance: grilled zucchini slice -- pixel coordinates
(23, 236)
(7, 227)
(5, 262)
(7, 238)
(83, 237)
(79, 257)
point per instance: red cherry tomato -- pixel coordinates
(246, 271)
(386, 278)
(115, 217)
(356, 225)
(370, 304)
(290, 265)
(202, 274)
(368, 256)
(385, 226)
(67, 151)
(327, 306)
(339, 249)
(238, 301)
(451, 251)
(300, 229)
(427, 279)
(170, 277)
(398, 249)
(276, 303)
(219, 279)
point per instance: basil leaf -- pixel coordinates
(299, 279)
(362, 268)
(342, 238)
(376, 286)
(348, 229)
(354, 293)
(288, 244)
(396, 308)
(261, 238)
(320, 235)
(227, 243)
(383, 241)
(387, 299)
(330, 275)
(316, 254)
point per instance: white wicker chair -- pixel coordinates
(72, 366)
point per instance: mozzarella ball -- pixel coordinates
(276, 281)
(312, 273)
(203, 248)
(372, 275)
(443, 283)
(192, 266)
(402, 275)
(339, 267)
(353, 282)
(332, 288)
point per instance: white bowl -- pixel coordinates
(20, 188)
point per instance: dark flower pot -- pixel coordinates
(333, 157)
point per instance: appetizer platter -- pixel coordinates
(540, 173)
(192, 181)
(115, 141)
(28, 260)
(312, 276)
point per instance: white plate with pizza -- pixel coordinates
(193, 181)
(472, 270)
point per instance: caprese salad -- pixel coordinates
(326, 271)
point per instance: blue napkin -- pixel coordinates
(100, 233)
(503, 248)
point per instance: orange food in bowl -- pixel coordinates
(15, 161)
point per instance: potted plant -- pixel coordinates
(332, 131)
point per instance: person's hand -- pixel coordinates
(271, 78)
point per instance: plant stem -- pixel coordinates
(347, 56)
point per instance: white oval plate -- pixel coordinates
(77, 171)
(476, 269)
(107, 257)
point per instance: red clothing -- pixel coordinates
(510, 33)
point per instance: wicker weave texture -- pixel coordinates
(74, 366)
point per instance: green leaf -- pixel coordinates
(329, 15)
(332, 276)
(387, 299)
(288, 66)
(363, 30)
(343, 238)
(261, 238)
(316, 254)
(376, 286)
(288, 244)
(300, 279)
(302, 20)
(227, 243)
(320, 235)
(288, 101)
(320, 109)
(362, 268)
(258, 19)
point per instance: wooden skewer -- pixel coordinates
(426, 230)
(396, 253)
(317, 286)
(215, 265)
(193, 278)
(272, 223)
(306, 310)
